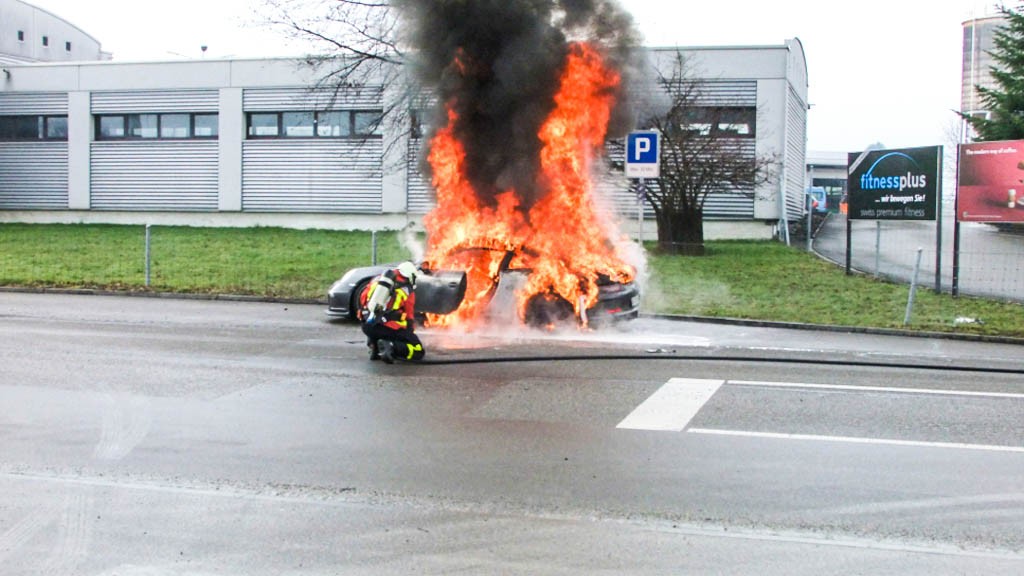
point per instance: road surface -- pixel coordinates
(146, 436)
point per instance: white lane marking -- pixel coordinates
(886, 389)
(857, 440)
(956, 504)
(672, 406)
(834, 540)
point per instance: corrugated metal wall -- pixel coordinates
(34, 175)
(420, 192)
(727, 93)
(326, 175)
(154, 101)
(29, 103)
(796, 144)
(177, 175)
(289, 99)
(726, 204)
(154, 174)
(612, 188)
(731, 204)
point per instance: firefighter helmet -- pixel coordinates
(408, 271)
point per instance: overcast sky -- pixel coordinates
(879, 70)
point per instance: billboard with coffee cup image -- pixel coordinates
(990, 186)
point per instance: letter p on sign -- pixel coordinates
(643, 147)
(643, 155)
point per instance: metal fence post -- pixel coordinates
(913, 288)
(147, 254)
(810, 218)
(878, 245)
(373, 247)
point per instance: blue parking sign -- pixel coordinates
(643, 155)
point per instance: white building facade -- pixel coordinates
(31, 34)
(252, 142)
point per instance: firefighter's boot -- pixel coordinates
(387, 351)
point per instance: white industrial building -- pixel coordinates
(31, 34)
(245, 142)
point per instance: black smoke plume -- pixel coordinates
(498, 62)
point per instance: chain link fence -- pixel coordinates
(267, 262)
(989, 263)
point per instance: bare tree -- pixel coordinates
(355, 36)
(707, 148)
(354, 46)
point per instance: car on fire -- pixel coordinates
(442, 291)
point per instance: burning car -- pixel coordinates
(517, 209)
(440, 293)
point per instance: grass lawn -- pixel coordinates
(274, 262)
(770, 281)
(736, 279)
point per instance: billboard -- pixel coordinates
(990, 186)
(899, 184)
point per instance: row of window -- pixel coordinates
(721, 121)
(735, 122)
(201, 125)
(173, 125)
(45, 40)
(33, 127)
(331, 124)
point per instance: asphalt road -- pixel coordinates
(145, 436)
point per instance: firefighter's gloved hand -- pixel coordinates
(375, 315)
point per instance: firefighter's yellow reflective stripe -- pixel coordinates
(400, 297)
(413, 348)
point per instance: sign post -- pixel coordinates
(643, 161)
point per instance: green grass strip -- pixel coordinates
(757, 280)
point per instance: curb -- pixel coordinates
(172, 295)
(988, 339)
(672, 317)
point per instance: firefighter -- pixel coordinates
(387, 309)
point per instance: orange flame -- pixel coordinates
(562, 239)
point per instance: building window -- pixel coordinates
(143, 126)
(67, 46)
(333, 124)
(110, 127)
(726, 122)
(169, 126)
(21, 35)
(205, 125)
(328, 124)
(366, 123)
(174, 125)
(56, 128)
(46, 40)
(264, 125)
(298, 124)
(28, 128)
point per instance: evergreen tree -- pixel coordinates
(1005, 101)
